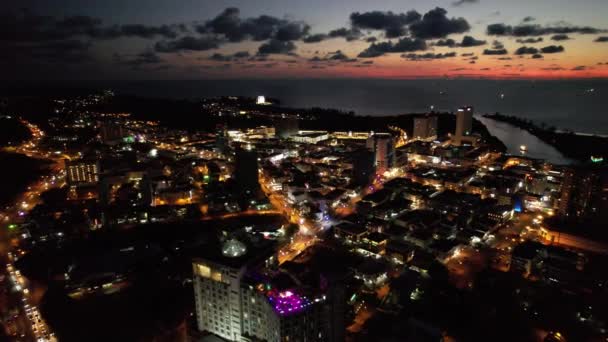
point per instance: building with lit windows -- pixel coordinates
(238, 298)
(310, 137)
(464, 124)
(383, 146)
(82, 172)
(286, 127)
(425, 127)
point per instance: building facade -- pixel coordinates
(425, 127)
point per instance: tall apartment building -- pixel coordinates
(246, 170)
(425, 127)
(464, 124)
(383, 146)
(286, 127)
(239, 300)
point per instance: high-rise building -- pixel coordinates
(425, 127)
(286, 127)
(237, 302)
(583, 192)
(112, 133)
(363, 166)
(221, 140)
(82, 172)
(246, 170)
(464, 124)
(383, 146)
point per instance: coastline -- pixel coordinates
(578, 146)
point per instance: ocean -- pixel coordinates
(574, 105)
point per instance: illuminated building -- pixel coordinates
(583, 193)
(310, 137)
(286, 127)
(112, 133)
(464, 124)
(236, 302)
(383, 146)
(82, 172)
(425, 127)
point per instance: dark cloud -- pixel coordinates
(188, 43)
(528, 19)
(275, 46)
(468, 54)
(525, 50)
(504, 58)
(498, 29)
(468, 41)
(148, 58)
(529, 40)
(537, 56)
(402, 45)
(229, 58)
(337, 56)
(371, 39)
(497, 45)
(28, 26)
(133, 30)
(553, 68)
(579, 68)
(393, 24)
(552, 49)
(52, 53)
(602, 39)
(435, 24)
(464, 2)
(428, 56)
(230, 25)
(292, 31)
(315, 38)
(526, 30)
(560, 37)
(348, 34)
(446, 42)
(495, 52)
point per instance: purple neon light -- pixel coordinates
(288, 302)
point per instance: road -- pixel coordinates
(25, 322)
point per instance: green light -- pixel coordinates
(597, 159)
(12, 226)
(129, 140)
(353, 297)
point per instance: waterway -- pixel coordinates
(514, 137)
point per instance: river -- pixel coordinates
(513, 137)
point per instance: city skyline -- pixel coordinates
(272, 39)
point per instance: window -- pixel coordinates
(203, 270)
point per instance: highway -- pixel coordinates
(25, 322)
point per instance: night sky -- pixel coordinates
(198, 39)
